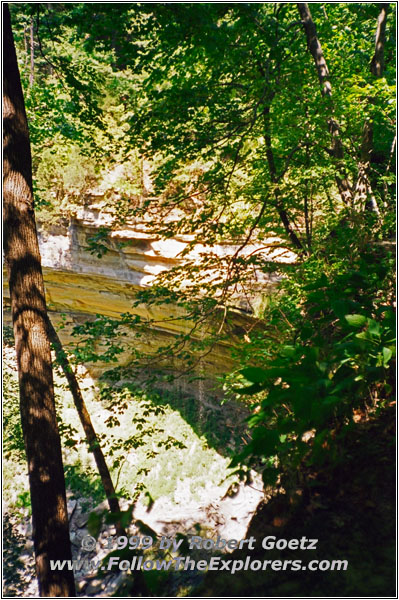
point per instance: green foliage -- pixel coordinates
(336, 357)
(76, 102)
(84, 482)
(13, 441)
(63, 176)
(100, 338)
(97, 243)
(106, 85)
(23, 500)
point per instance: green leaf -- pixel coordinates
(356, 320)
(288, 351)
(386, 356)
(70, 443)
(374, 327)
(148, 500)
(255, 374)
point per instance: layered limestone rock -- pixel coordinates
(79, 285)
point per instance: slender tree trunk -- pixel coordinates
(32, 55)
(273, 176)
(337, 151)
(377, 62)
(87, 425)
(391, 154)
(360, 194)
(315, 48)
(363, 191)
(26, 45)
(22, 257)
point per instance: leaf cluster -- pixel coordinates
(335, 358)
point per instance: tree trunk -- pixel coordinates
(315, 48)
(363, 191)
(32, 55)
(337, 151)
(22, 257)
(360, 193)
(273, 176)
(377, 62)
(87, 425)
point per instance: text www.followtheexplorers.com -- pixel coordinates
(185, 563)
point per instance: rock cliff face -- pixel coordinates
(79, 285)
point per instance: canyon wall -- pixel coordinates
(79, 285)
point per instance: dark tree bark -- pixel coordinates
(87, 425)
(22, 257)
(315, 48)
(377, 62)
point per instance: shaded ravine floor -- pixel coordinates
(227, 516)
(351, 510)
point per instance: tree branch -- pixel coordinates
(315, 48)
(87, 425)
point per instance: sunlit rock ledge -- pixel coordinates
(79, 285)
